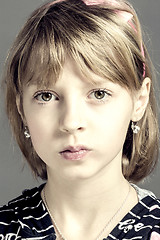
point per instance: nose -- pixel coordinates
(72, 118)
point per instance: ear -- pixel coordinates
(20, 109)
(141, 100)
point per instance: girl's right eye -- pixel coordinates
(45, 97)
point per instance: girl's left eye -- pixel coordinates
(45, 96)
(100, 94)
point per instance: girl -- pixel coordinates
(79, 94)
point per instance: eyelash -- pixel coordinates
(92, 95)
(42, 93)
(104, 91)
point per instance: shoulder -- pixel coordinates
(148, 208)
(150, 217)
(143, 220)
(14, 215)
(26, 199)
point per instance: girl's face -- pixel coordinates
(78, 128)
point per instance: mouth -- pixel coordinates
(74, 153)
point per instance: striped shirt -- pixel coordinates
(26, 217)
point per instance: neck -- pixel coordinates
(86, 205)
(85, 194)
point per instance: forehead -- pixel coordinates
(43, 67)
(71, 76)
(46, 76)
(45, 62)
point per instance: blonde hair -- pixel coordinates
(100, 41)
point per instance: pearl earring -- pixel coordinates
(135, 128)
(26, 133)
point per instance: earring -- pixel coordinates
(135, 128)
(26, 133)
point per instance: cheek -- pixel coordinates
(40, 137)
(39, 126)
(114, 126)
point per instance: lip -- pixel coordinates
(75, 153)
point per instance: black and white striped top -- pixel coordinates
(26, 217)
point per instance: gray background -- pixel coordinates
(14, 175)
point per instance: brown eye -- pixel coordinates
(46, 96)
(99, 94)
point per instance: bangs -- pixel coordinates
(42, 65)
(98, 46)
